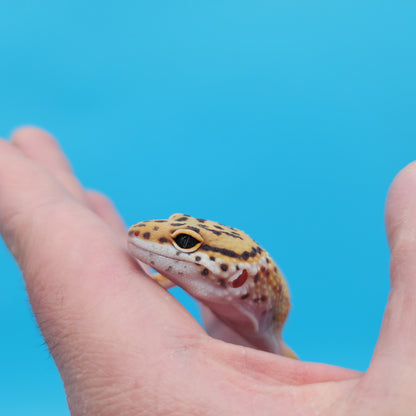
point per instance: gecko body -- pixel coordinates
(223, 268)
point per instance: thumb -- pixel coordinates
(395, 352)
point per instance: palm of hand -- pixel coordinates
(124, 346)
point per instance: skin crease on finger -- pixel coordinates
(125, 346)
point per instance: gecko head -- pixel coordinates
(220, 266)
(207, 259)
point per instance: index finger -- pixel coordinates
(87, 294)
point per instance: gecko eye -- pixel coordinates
(186, 240)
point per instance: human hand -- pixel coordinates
(124, 346)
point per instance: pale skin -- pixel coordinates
(124, 346)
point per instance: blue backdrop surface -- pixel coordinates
(287, 119)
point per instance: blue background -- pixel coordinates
(287, 119)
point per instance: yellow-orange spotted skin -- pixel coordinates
(224, 269)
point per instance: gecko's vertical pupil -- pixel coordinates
(185, 241)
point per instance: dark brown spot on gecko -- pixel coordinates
(263, 298)
(159, 220)
(184, 218)
(256, 300)
(240, 279)
(245, 296)
(256, 278)
(155, 228)
(225, 252)
(177, 224)
(216, 232)
(163, 240)
(146, 235)
(141, 225)
(218, 227)
(198, 258)
(212, 258)
(205, 272)
(224, 267)
(233, 235)
(201, 220)
(192, 228)
(222, 282)
(267, 260)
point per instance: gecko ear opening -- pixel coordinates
(241, 279)
(186, 240)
